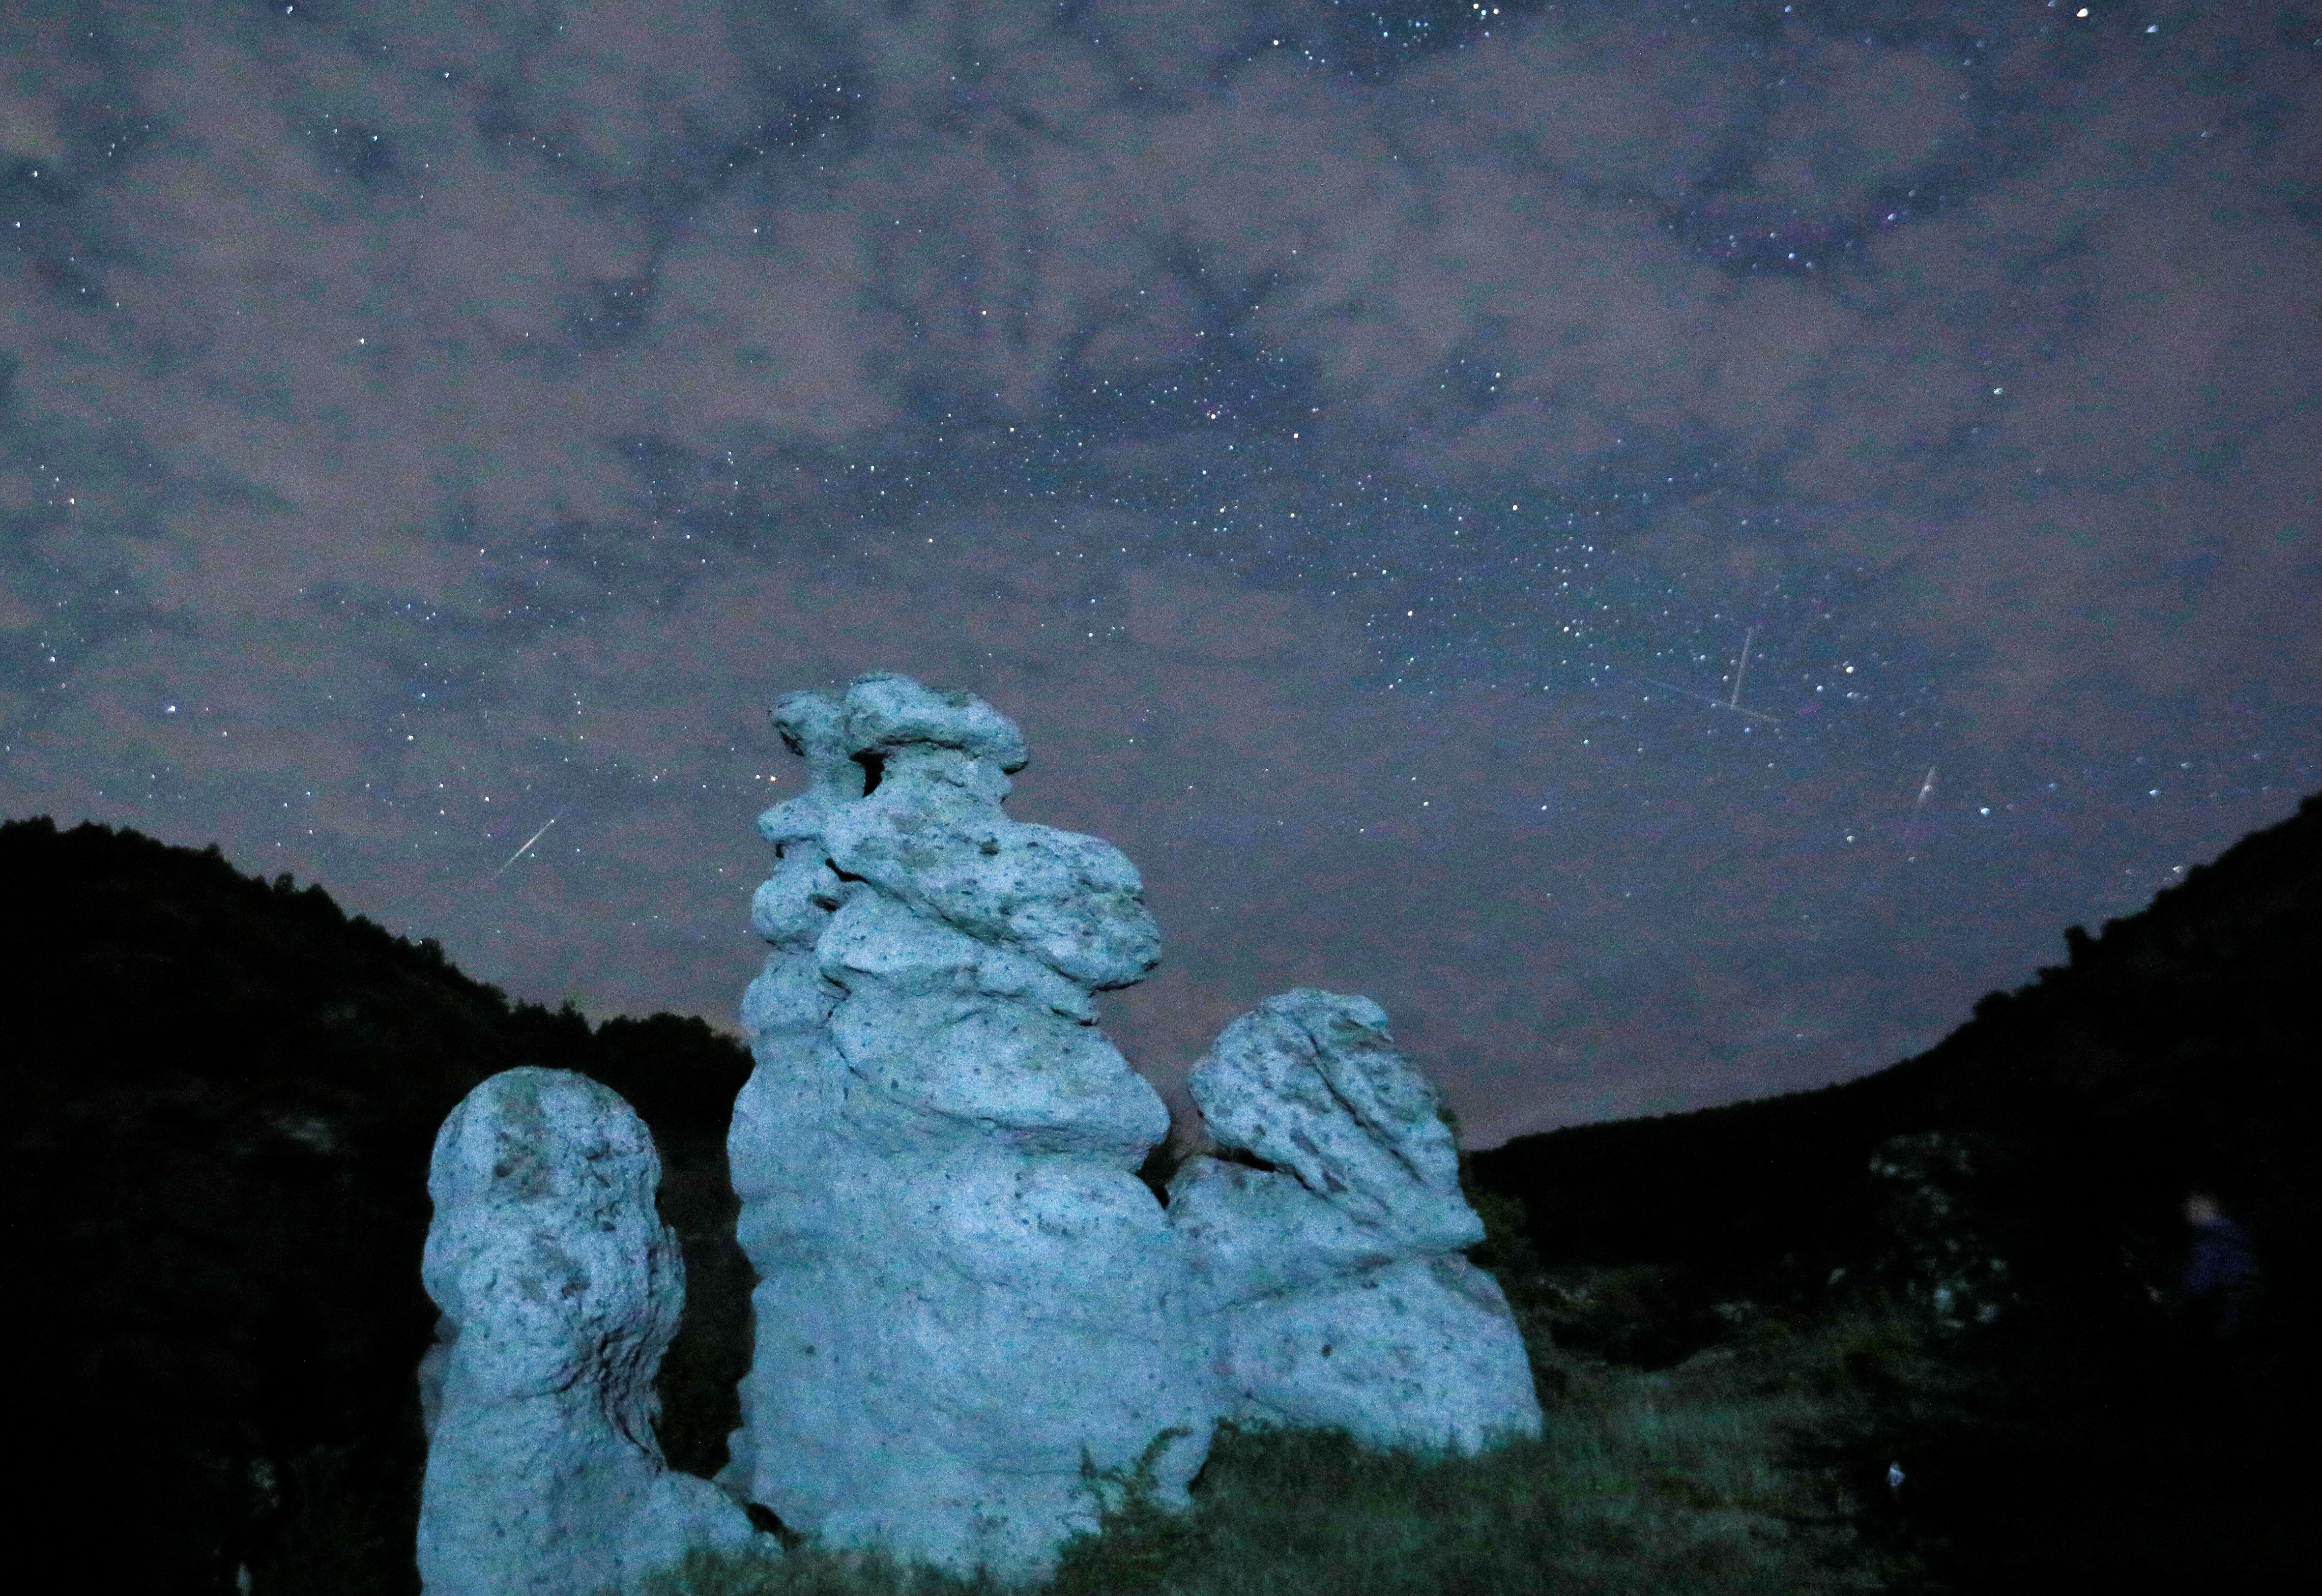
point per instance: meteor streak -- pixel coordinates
(1744, 665)
(1910, 833)
(1732, 702)
(1715, 702)
(528, 842)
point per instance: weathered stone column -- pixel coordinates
(965, 1288)
(559, 1289)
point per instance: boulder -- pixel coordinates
(560, 1289)
(965, 1291)
(1326, 1236)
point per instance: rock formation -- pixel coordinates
(559, 1289)
(1327, 1238)
(965, 1290)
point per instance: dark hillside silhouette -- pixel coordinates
(2052, 1139)
(2181, 1043)
(220, 1096)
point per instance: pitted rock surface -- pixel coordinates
(1330, 1260)
(559, 1289)
(963, 1287)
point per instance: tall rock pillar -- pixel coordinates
(965, 1290)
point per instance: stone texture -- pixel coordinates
(1328, 1239)
(965, 1288)
(559, 1289)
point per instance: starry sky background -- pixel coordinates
(1355, 443)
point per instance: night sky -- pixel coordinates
(1356, 443)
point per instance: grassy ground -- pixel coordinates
(1738, 1469)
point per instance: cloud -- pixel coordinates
(444, 401)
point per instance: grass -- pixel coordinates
(1736, 1470)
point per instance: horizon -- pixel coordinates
(1186, 1119)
